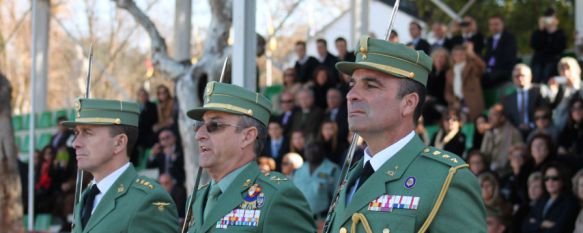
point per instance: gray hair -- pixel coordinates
(246, 122)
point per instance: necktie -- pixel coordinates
(214, 194)
(366, 173)
(88, 205)
(525, 106)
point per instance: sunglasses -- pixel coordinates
(541, 117)
(287, 101)
(553, 178)
(212, 126)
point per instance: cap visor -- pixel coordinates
(349, 68)
(197, 113)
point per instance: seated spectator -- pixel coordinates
(45, 186)
(535, 193)
(463, 90)
(571, 139)
(288, 109)
(544, 124)
(291, 83)
(290, 163)
(394, 37)
(319, 85)
(564, 88)
(266, 164)
(176, 191)
(491, 194)
(337, 111)
(417, 42)
(167, 156)
(440, 40)
(578, 191)
(541, 151)
(277, 144)
(333, 146)
(297, 143)
(435, 102)
(310, 116)
(60, 138)
(421, 132)
(317, 179)
(478, 162)
(470, 34)
(495, 221)
(449, 137)
(166, 109)
(558, 211)
(481, 126)
(513, 186)
(498, 140)
(148, 118)
(548, 42)
(519, 106)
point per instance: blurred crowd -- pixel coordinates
(518, 125)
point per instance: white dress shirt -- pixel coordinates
(106, 183)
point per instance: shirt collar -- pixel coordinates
(497, 36)
(228, 179)
(384, 155)
(108, 181)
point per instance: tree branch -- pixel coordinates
(159, 50)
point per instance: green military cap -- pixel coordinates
(234, 99)
(389, 58)
(105, 112)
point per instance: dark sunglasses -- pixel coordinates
(541, 117)
(212, 126)
(553, 178)
(287, 101)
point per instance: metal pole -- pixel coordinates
(31, 130)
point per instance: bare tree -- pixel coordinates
(190, 79)
(10, 190)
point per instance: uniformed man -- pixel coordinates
(231, 130)
(400, 185)
(117, 200)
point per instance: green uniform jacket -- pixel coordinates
(283, 208)
(422, 189)
(132, 204)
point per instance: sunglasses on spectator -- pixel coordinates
(553, 178)
(287, 101)
(541, 117)
(212, 126)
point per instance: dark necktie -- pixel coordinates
(365, 174)
(88, 205)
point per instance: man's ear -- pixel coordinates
(249, 136)
(120, 143)
(409, 104)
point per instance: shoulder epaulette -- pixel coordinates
(144, 183)
(442, 156)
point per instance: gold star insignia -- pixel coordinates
(436, 153)
(121, 188)
(445, 156)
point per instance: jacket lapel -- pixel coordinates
(198, 207)
(352, 176)
(232, 197)
(107, 203)
(375, 186)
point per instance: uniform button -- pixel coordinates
(386, 230)
(343, 230)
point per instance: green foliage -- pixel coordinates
(521, 16)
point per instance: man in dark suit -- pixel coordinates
(288, 109)
(500, 54)
(148, 118)
(305, 64)
(337, 111)
(343, 53)
(59, 139)
(309, 118)
(277, 144)
(519, 106)
(440, 34)
(418, 43)
(470, 34)
(327, 60)
(167, 156)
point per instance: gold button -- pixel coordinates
(386, 230)
(362, 50)
(343, 230)
(411, 75)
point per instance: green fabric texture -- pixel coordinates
(234, 99)
(105, 112)
(389, 58)
(132, 204)
(284, 208)
(462, 209)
